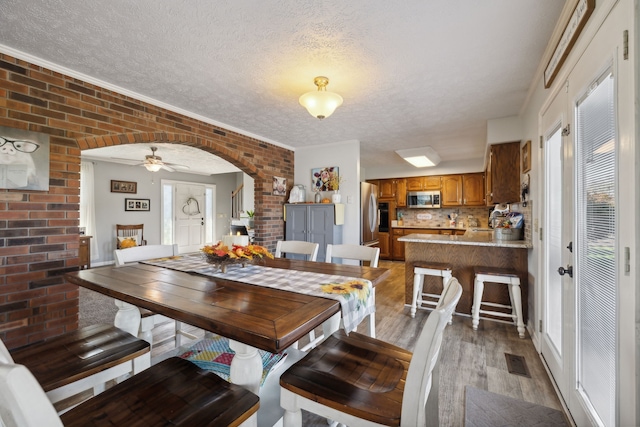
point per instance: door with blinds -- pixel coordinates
(588, 283)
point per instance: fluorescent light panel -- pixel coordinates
(420, 157)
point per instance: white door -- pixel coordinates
(189, 208)
(583, 310)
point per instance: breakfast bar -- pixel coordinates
(463, 253)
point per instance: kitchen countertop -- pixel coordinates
(471, 238)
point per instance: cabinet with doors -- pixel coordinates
(503, 174)
(401, 192)
(317, 223)
(84, 252)
(419, 183)
(387, 189)
(384, 245)
(463, 190)
(451, 190)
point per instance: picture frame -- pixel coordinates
(25, 159)
(526, 157)
(137, 205)
(124, 186)
(279, 186)
(322, 178)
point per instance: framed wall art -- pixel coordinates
(279, 186)
(526, 157)
(137, 205)
(124, 187)
(322, 178)
(24, 159)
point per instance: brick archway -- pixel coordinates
(262, 183)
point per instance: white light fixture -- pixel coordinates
(320, 103)
(420, 157)
(153, 167)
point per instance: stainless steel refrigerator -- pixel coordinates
(369, 217)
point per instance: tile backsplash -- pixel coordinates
(429, 218)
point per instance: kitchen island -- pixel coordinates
(463, 253)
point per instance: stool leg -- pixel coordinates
(477, 299)
(446, 276)
(418, 281)
(516, 302)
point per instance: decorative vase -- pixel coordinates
(336, 197)
(318, 197)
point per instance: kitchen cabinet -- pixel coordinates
(84, 252)
(503, 173)
(312, 223)
(384, 245)
(401, 192)
(387, 189)
(418, 183)
(397, 248)
(473, 189)
(451, 190)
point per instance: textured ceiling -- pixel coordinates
(412, 73)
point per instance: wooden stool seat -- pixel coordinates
(174, 392)
(502, 276)
(425, 300)
(87, 358)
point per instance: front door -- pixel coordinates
(189, 208)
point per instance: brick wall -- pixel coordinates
(39, 230)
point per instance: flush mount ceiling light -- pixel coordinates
(321, 104)
(420, 157)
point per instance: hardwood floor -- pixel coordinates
(467, 357)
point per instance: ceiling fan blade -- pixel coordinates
(168, 168)
(125, 160)
(176, 166)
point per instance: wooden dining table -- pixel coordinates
(252, 317)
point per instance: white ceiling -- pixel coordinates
(412, 73)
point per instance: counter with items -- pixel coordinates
(463, 253)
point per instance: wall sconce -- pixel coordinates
(420, 157)
(320, 103)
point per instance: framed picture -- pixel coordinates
(24, 159)
(322, 179)
(137, 205)
(526, 157)
(124, 187)
(279, 186)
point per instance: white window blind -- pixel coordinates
(596, 248)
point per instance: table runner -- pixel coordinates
(355, 295)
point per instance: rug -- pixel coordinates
(486, 409)
(214, 354)
(95, 308)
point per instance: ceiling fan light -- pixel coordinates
(321, 104)
(153, 167)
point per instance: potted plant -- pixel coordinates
(334, 184)
(250, 214)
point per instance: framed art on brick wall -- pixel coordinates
(24, 159)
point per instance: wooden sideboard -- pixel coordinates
(84, 252)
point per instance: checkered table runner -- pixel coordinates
(355, 295)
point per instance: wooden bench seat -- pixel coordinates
(88, 358)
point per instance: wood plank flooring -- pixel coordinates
(475, 358)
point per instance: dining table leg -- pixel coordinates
(246, 366)
(127, 317)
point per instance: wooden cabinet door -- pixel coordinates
(401, 193)
(473, 189)
(387, 189)
(432, 182)
(397, 248)
(385, 246)
(451, 190)
(414, 183)
(505, 173)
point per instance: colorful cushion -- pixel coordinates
(128, 242)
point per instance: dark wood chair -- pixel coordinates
(80, 360)
(174, 392)
(357, 380)
(134, 231)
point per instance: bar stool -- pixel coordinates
(503, 276)
(420, 270)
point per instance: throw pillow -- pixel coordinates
(128, 242)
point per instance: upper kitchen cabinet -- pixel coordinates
(473, 189)
(387, 189)
(451, 190)
(401, 192)
(418, 183)
(503, 173)
(463, 190)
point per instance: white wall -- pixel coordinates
(110, 206)
(345, 155)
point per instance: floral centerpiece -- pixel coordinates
(222, 255)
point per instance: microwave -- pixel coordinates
(423, 199)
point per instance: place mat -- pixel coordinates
(356, 296)
(486, 409)
(215, 355)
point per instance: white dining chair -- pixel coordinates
(297, 247)
(149, 320)
(360, 381)
(365, 254)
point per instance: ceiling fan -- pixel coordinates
(154, 163)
